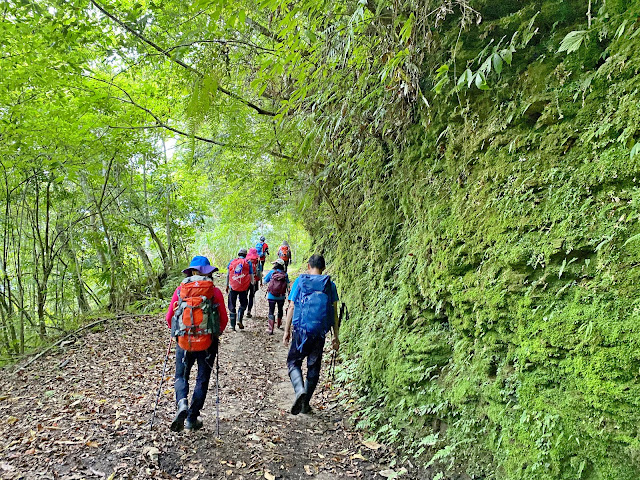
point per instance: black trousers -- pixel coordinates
(272, 307)
(184, 362)
(234, 296)
(252, 294)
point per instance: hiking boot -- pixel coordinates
(249, 315)
(240, 315)
(298, 386)
(270, 322)
(193, 424)
(309, 388)
(183, 410)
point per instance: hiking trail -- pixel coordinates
(83, 412)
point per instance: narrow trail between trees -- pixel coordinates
(83, 413)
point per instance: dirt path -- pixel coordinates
(84, 413)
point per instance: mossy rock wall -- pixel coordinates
(492, 266)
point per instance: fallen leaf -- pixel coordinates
(269, 476)
(11, 420)
(308, 469)
(151, 452)
(97, 473)
(389, 473)
(357, 456)
(92, 444)
(372, 445)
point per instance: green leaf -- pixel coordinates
(486, 66)
(507, 55)
(631, 239)
(407, 28)
(441, 83)
(443, 69)
(497, 63)
(620, 29)
(635, 150)
(466, 77)
(481, 81)
(572, 41)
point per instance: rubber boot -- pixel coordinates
(270, 321)
(298, 387)
(183, 410)
(309, 388)
(195, 424)
(240, 315)
(232, 320)
(279, 323)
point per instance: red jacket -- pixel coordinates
(217, 298)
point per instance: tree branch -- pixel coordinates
(261, 29)
(221, 42)
(161, 124)
(165, 52)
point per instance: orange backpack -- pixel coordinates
(283, 253)
(196, 319)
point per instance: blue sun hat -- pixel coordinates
(201, 264)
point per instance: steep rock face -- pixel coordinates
(492, 267)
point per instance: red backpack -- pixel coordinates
(196, 319)
(277, 284)
(254, 264)
(283, 253)
(239, 276)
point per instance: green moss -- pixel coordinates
(486, 266)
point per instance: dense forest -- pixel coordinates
(468, 167)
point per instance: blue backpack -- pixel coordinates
(259, 246)
(313, 310)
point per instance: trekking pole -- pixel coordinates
(217, 394)
(343, 315)
(164, 368)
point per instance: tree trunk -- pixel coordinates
(148, 268)
(76, 273)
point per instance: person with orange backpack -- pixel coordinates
(196, 317)
(239, 279)
(284, 252)
(278, 284)
(252, 256)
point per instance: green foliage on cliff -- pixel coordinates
(492, 263)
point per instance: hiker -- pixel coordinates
(239, 278)
(314, 312)
(196, 317)
(252, 257)
(277, 285)
(284, 252)
(263, 250)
